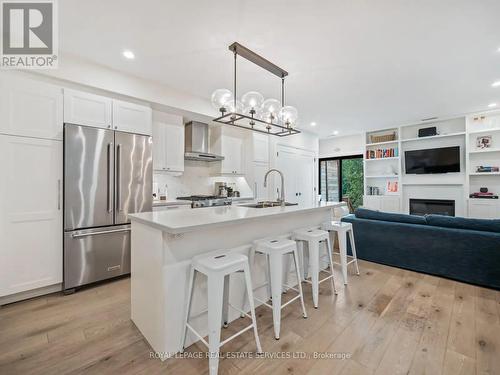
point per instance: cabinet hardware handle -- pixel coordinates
(118, 177)
(59, 195)
(78, 235)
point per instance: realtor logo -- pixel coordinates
(29, 34)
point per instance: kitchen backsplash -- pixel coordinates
(196, 179)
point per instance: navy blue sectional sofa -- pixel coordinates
(461, 249)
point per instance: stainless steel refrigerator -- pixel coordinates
(107, 175)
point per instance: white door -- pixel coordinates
(30, 213)
(389, 204)
(82, 108)
(132, 118)
(372, 202)
(30, 108)
(174, 148)
(298, 168)
(483, 209)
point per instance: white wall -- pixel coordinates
(341, 146)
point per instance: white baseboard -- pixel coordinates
(30, 294)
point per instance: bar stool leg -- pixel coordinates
(297, 271)
(248, 283)
(276, 265)
(215, 301)
(225, 303)
(343, 253)
(268, 277)
(251, 262)
(192, 279)
(353, 248)
(330, 259)
(314, 263)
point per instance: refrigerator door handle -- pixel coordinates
(118, 177)
(59, 195)
(110, 178)
(79, 235)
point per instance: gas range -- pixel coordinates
(198, 201)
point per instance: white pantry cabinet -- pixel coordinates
(132, 118)
(30, 213)
(87, 109)
(168, 147)
(229, 143)
(30, 108)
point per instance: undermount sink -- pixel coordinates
(267, 204)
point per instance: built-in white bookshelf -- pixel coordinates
(462, 131)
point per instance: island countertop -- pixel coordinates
(181, 221)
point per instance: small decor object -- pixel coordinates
(383, 138)
(483, 141)
(427, 132)
(487, 169)
(392, 187)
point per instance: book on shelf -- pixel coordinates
(382, 153)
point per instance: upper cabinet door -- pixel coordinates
(174, 148)
(30, 108)
(260, 147)
(159, 145)
(82, 108)
(232, 150)
(132, 118)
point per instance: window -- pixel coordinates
(341, 178)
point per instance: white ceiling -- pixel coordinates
(354, 65)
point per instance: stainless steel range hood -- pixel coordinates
(196, 136)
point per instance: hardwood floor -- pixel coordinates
(386, 321)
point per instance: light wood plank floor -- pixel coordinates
(386, 321)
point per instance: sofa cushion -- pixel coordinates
(483, 225)
(364, 213)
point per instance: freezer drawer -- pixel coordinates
(96, 254)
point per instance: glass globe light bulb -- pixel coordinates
(220, 97)
(270, 110)
(252, 101)
(288, 115)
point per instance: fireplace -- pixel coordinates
(432, 206)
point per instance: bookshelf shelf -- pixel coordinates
(433, 137)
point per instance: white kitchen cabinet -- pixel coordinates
(484, 209)
(259, 170)
(87, 109)
(260, 143)
(230, 144)
(30, 213)
(168, 147)
(30, 108)
(385, 203)
(132, 118)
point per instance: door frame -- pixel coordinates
(340, 158)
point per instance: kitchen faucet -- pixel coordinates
(282, 198)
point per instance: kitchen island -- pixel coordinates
(163, 244)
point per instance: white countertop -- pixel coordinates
(180, 221)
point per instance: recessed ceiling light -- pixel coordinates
(495, 84)
(492, 105)
(128, 54)
(335, 132)
(313, 123)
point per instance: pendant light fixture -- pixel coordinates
(253, 112)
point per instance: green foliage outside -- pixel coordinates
(352, 180)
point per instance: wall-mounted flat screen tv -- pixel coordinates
(433, 160)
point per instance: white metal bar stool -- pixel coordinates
(217, 268)
(343, 229)
(275, 250)
(313, 237)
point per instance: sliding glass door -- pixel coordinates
(341, 178)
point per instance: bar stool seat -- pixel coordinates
(343, 229)
(313, 237)
(217, 268)
(274, 250)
